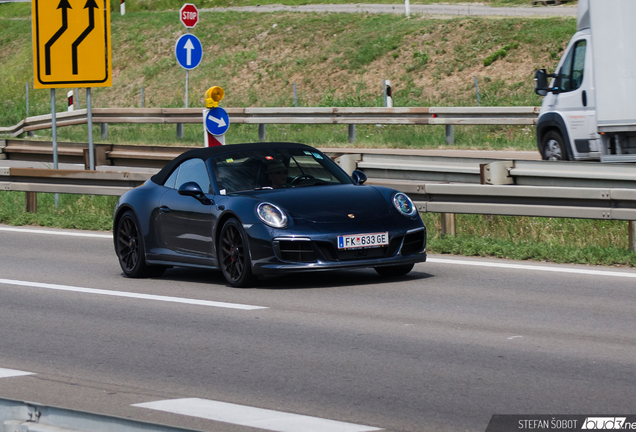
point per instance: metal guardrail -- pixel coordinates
(512, 200)
(303, 115)
(18, 416)
(105, 154)
(70, 181)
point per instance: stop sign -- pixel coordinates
(189, 15)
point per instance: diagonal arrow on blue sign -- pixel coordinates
(189, 51)
(217, 121)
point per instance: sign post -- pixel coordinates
(71, 48)
(189, 17)
(189, 53)
(215, 119)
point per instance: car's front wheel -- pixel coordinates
(234, 255)
(130, 249)
(394, 271)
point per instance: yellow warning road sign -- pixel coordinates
(71, 43)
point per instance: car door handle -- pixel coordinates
(164, 209)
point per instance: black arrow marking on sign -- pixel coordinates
(91, 6)
(65, 6)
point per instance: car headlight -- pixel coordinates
(272, 215)
(404, 204)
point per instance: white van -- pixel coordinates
(589, 109)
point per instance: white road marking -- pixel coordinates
(532, 267)
(130, 295)
(252, 417)
(51, 232)
(514, 337)
(8, 373)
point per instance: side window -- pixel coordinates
(573, 67)
(172, 180)
(194, 170)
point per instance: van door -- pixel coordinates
(575, 99)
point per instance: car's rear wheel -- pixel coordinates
(234, 255)
(394, 271)
(130, 249)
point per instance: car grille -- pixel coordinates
(330, 253)
(413, 243)
(296, 251)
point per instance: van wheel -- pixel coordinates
(554, 147)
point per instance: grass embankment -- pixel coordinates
(335, 60)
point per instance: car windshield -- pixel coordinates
(275, 168)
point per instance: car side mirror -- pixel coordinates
(194, 190)
(358, 177)
(541, 82)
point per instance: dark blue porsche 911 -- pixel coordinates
(264, 209)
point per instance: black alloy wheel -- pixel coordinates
(394, 271)
(130, 249)
(234, 255)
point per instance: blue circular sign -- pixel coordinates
(217, 121)
(189, 51)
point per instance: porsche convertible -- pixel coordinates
(257, 210)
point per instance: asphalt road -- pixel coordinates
(442, 349)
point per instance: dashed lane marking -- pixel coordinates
(242, 415)
(130, 295)
(8, 373)
(53, 232)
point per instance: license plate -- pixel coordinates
(358, 241)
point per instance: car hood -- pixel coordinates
(330, 204)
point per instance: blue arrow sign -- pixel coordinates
(189, 51)
(217, 121)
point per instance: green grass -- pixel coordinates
(334, 59)
(578, 241)
(74, 212)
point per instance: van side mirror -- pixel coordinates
(541, 82)
(358, 177)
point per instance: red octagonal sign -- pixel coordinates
(189, 15)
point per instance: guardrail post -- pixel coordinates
(104, 131)
(352, 133)
(261, 132)
(448, 224)
(179, 130)
(31, 200)
(631, 232)
(450, 135)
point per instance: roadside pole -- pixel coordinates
(54, 140)
(89, 116)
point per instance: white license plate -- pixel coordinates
(357, 241)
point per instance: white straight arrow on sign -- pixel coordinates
(189, 47)
(220, 122)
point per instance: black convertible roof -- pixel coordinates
(208, 152)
